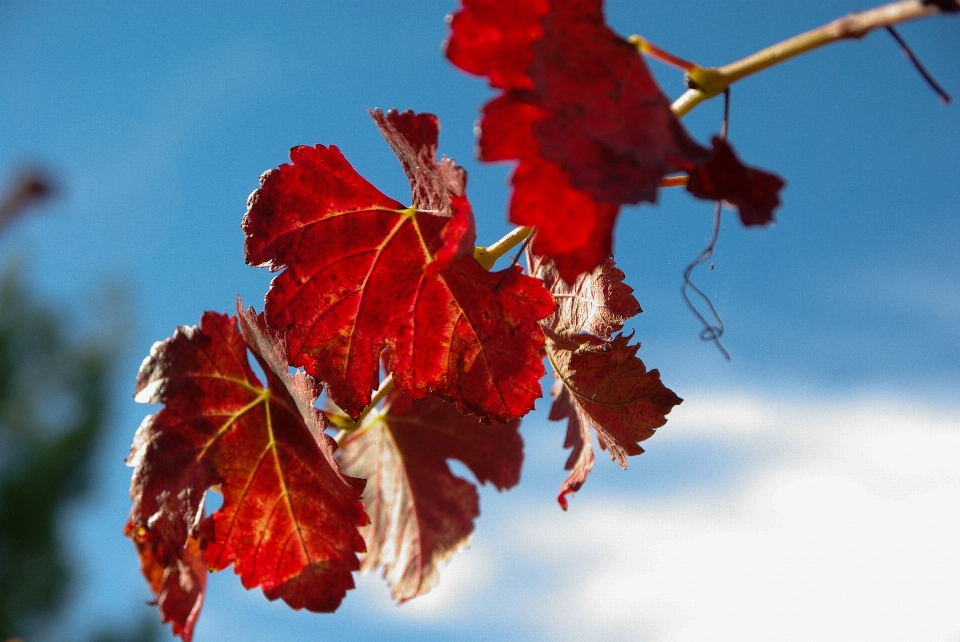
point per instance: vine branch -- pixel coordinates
(707, 82)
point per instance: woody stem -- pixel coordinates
(710, 82)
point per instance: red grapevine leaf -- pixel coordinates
(488, 41)
(599, 381)
(506, 128)
(604, 385)
(572, 228)
(581, 102)
(289, 518)
(434, 187)
(598, 303)
(611, 126)
(756, 193)
(421, 513)
(413, 138)
(177, 579)
(362, 274)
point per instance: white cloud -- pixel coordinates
(852, 536)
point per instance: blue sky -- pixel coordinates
(807, 489)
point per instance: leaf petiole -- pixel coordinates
(644, 46)
(488, 256)
(674, 181)
(348, 426)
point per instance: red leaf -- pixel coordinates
(756, 193)
(581, 107)
(289, 520)
(178, 579)
(599, 381)
(363, 273)
(604, 385)
(488, 41)
(598, 303)
(572, 228)
(421, 513)
(506, 128)
(611, 126)
(413, 138)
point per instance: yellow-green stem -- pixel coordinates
(348, 426)
(712, 82)
(487, 256)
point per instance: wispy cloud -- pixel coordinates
(848, 532)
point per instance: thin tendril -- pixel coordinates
(725, 125)
(944, 96)
(711, 331)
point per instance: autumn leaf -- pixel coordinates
(289, 520)
(572, 227)
(420, 512)
(178, 579)
(487, 38)
(604, 385)
(610, 125)
(580, 106)
(598, 303)
(362, 273)
(754, 192)
(600, 384)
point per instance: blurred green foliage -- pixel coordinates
(54, 396)
(53, 399)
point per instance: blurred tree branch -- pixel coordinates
(28, 189)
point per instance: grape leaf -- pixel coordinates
(413, 138)
(361, 273)
(572, 228)
(178, 579)
(598, 303)
(610, 125)
(756, 193)
(600, 383)
(585, 112)
(488, 38)
(604, 385)
(420, 512)
(289, 520)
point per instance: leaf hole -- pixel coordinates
(212, 500)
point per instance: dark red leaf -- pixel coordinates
(600, 383)
(598, 303)
(421, 513)
(572, 228)
(604, 385)
(289, 520)
(363, 273)
(506, 128)
(756, 193)
(611, 126)
(580, 105)
(488, 40)
(178, 579)
(413, 138)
